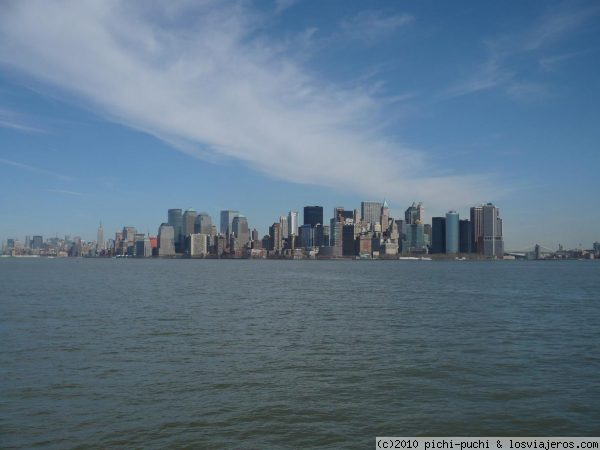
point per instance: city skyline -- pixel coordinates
(288, 104)
(370, 232)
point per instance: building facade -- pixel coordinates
(313, 215)
(175, 219)
(493, 243)
(198, 245)
(240, 230)
(452, 232)
(226, 225)
(438, 235)
(370, 213)
(166, 240)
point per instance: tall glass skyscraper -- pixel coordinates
(452, 230)
(176, 221)
(227, 221)
(313, 215)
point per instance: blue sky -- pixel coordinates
(117, 111)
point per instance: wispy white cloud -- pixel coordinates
(501, 67)
(64, 191)
(34, 169)
(555, 25)
(551, 62)
(204, 79)
(369, 26)
(489, 75)
(16, 121)
(282, 5)
(527, 91)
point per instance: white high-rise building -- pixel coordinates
(285, 230)
(293, 223)
(166, 240)
(198, 244)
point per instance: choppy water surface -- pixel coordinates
(294, 354)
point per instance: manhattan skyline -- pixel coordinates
(270, 106)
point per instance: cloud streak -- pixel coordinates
(368, 26)
(34, 169)
(64, 191)
(205, 80)
(14, 121)
(499, 69)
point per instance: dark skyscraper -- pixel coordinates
(313, 215)
(37, 242)
(477, 229)
(348, 246)
(465, 237)
(438, 235)
(493, 244)
(319, 237)
(176, 221)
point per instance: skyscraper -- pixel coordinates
(319, 236)
(348, 244)
(415, 214)
(226, 225)
(313, 215)
(438, 235)
(189, 221)
(166, 240)
(275, 234)
(100, 238)
(414, 238)
(198, 244)
(143, 247)
(493, 243)
(370, 213)
(385, 216)
(293, 223)
(306, 236)
(452, 232)
(203, 224)
(240, 230)
(465, 236)
(37, 242)
(477, 228)
(176, 221)
(285, 229)
(335, 236)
